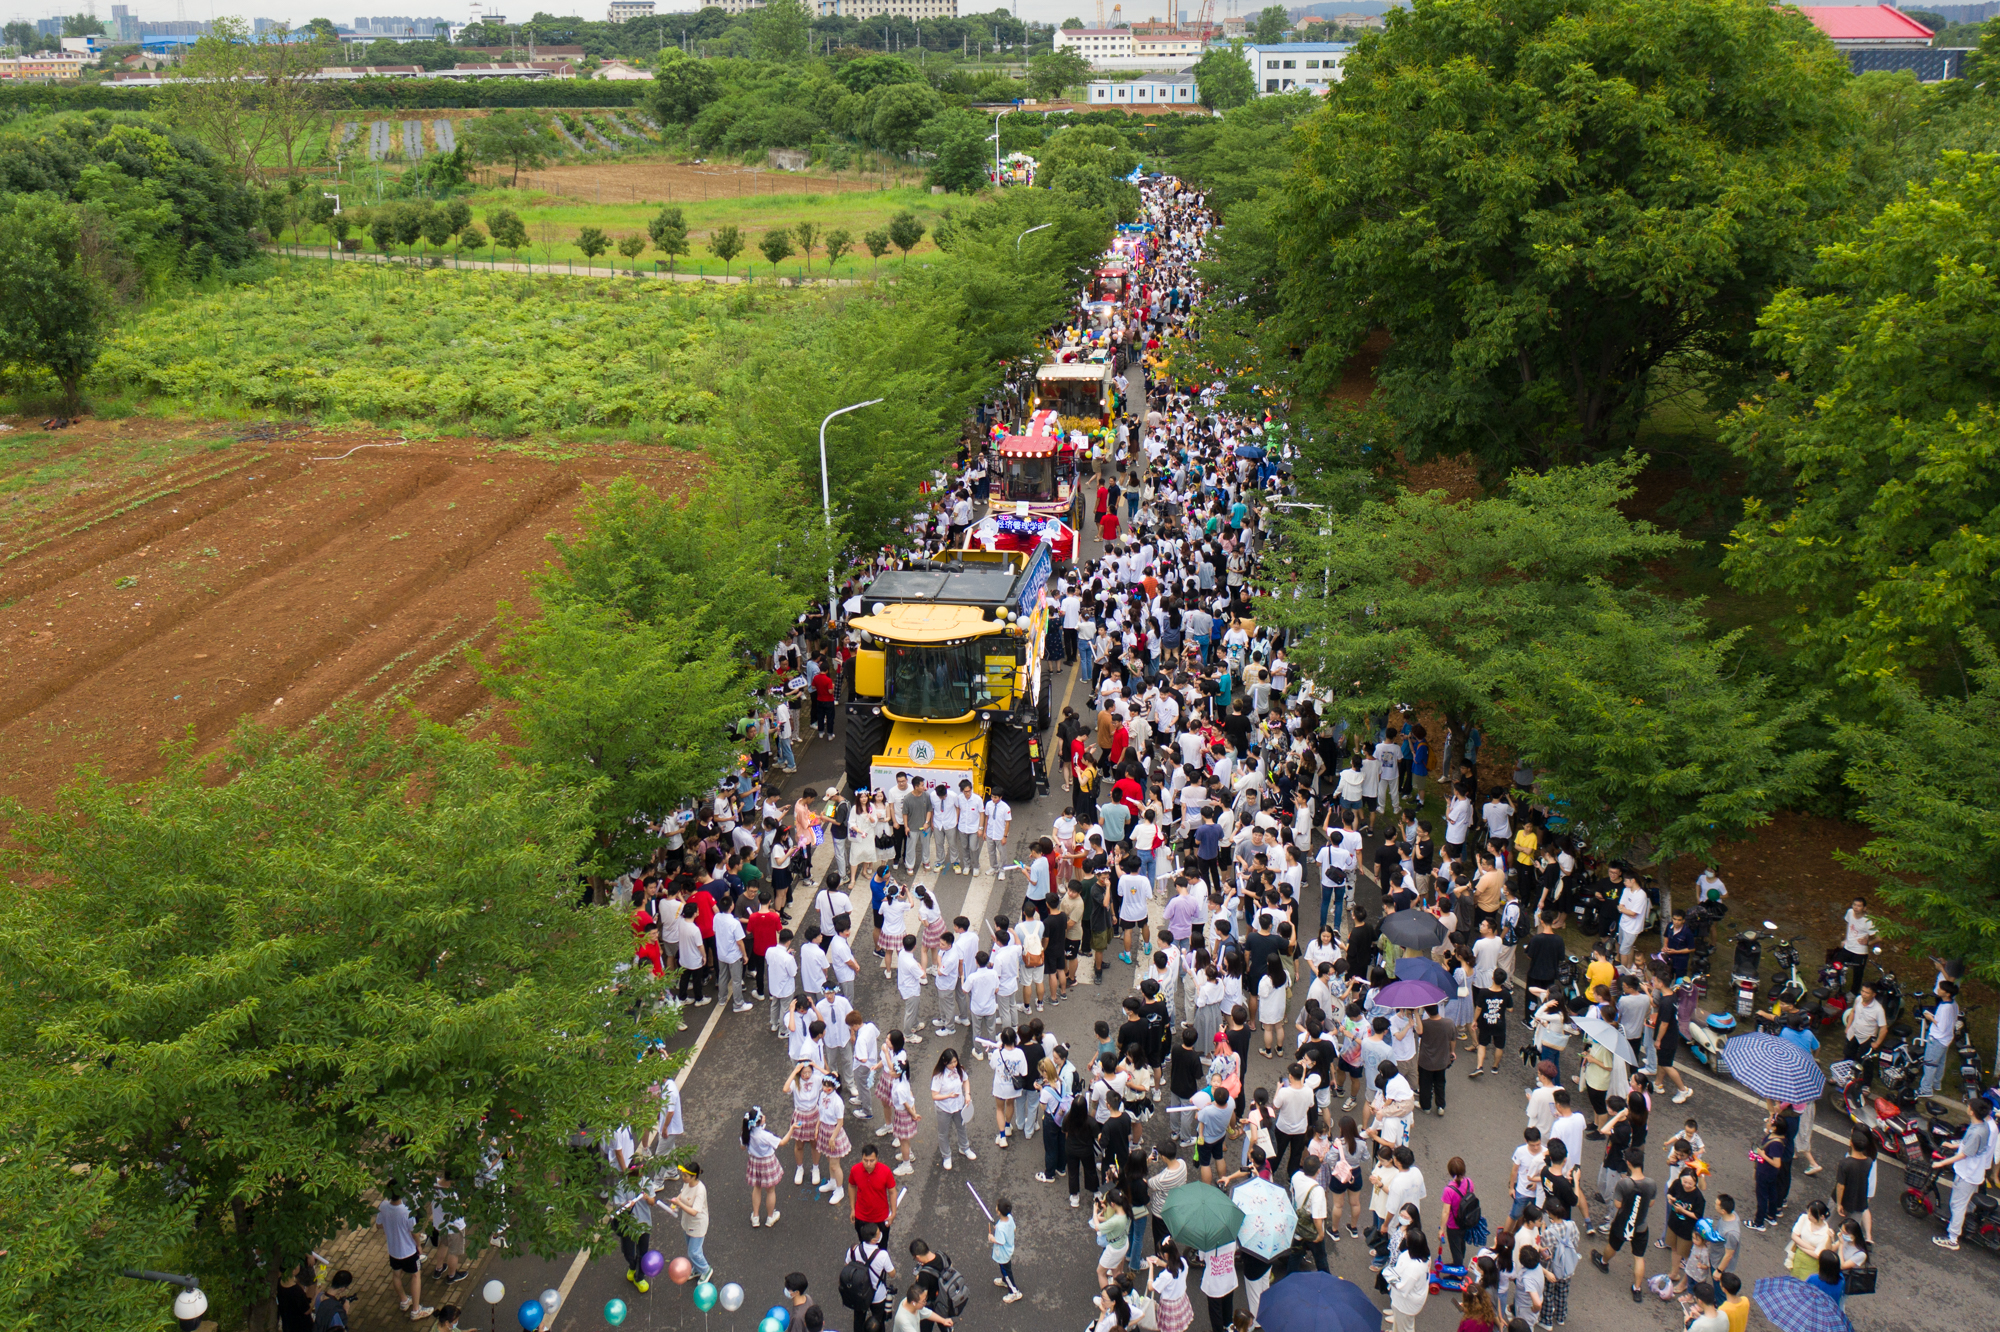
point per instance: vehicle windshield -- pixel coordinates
(1074, 397)
(935, 680)
(1028, 479)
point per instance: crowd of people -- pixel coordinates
(1252, 874)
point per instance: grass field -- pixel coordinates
(554, 220)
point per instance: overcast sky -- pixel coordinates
(298, 11)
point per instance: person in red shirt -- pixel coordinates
(1121, 740)
(704, 919)
(762, 927)
(822, 710)
(1128, 791)
(649, 952)
(1107, 527)
(873, 1186)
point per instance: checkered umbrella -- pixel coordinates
(1793, 1306)
(1774, 1068)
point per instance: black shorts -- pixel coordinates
(409, 1264)
(1665, 1050)
(1493, 1034)
(1613, 1234)
(1209, 1153)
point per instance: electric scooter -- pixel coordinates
(1743, 971)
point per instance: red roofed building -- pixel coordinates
(1867, 25)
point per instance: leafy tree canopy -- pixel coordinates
(1876, 445)
(1224, 79)
(1545, 202)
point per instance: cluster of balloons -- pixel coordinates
(533, 1313)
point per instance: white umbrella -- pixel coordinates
(1608, 1036)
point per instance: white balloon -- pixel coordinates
(731, 1297)
(494, 1292)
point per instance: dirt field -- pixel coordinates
(156, 576)
(681, 182)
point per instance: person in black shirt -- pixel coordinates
(1545, 954)
(1185, 1073)
(1237, 727)
(1632, 1204)
(1114, 1135)
(1363, 937)
(1159, 1023)
(1132, 1031)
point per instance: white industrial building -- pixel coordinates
(1164, 90)
(1290, 66)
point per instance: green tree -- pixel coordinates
(437, 228)
(53, 307)
(866, 73)
(905, 231)
(780, 30)
(592, 241)
(333, 970)
(807, 233)
(838, 242)
(472, 238)
(725, 243)
(632, 246)
(1053, 73)
(898, 113)
(1072, 24)
(82, 25)
(322, 29)
(507, 229)
(410, 219)
(1544, 205)
(1224, 79)
(506, 137)
(459, 214)
(1874, 448)
(638, 708)
(20, 35)
(683, 86)
(669, 234)
(1930, 791)
(878, 244)
(1272, 24)
(1651, 735)
(1420, 597)
(957, 138)
(739, 557)
(776, 246)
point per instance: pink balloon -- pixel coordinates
(680, 1271)
(651, 1261)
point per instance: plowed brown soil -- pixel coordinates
(261, 575)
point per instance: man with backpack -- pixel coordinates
(865, 1288)
(936, 1276)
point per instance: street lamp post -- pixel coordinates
(826, 498)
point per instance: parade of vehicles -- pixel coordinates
(948, 683)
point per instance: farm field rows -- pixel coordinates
(192, 577)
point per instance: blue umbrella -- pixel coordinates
(1774, 1068)
(1423, 969)
(1792, 1305)
(1249, 450)
(1317, 1302)
(1409, 994)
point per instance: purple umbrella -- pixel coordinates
(1409, 994)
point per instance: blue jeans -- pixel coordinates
(1336, 898)
(1083, 657)
(700, 1260)
(1934, 1056)
(1146, 864)
(1135, 1246)
(784, 750)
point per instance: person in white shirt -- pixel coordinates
(910, 987)
(1499, 816)
(1009, 1062)
(998, 814)
(812, 963)
(1526, 1178)
(1457, 824)
(949, 974)
(729, 938)
(1939, 1032)
(982, 992)
(842, 969)
(1389, 754)
(970, 815)
(944, 818)
(1006, 954)
(781, 975)
(832, 1008)
(1632, 906)
(399, 1235)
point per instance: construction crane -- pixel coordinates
(1100, 14)
(1203, 17)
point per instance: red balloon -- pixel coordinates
(680, 1271)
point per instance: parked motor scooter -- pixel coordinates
(1743, 970)
(1829, 997)
(1786, 987)
(1895, 1132)
(1888, 993)
(1707, 1038)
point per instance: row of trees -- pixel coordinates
(1552, 222)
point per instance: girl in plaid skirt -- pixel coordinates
(1169, 1277)
(762, 1170)
(833, 1143)
(903, 1115)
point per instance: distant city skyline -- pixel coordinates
(297, 12)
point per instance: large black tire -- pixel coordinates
(1042, 708)
(867, 730)
(1009, 769)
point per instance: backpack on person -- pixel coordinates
(953, 1295)
(1472, 1218)
(1510, 924)
(857, 1284)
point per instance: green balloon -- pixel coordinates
(770, 1325)
(705, 1296)
(614, 1312)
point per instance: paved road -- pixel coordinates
(741, 1064)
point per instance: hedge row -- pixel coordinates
(442, 94)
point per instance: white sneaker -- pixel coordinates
(970, 1155)
(741, 1008)
(905, 1169)
(838, 1194)
(421, 1312)
(947, 1163)
(815, 1172)
(882, 1132)
(999, 1140)
(770, 1220)
(828, 1185)
(799, 1175)
(1075, 1201)
(755, 1221)
(1683, 1096)
(1010, 1297)
(404, 1304)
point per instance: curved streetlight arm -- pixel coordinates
(826, 497)
(1029, 232)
